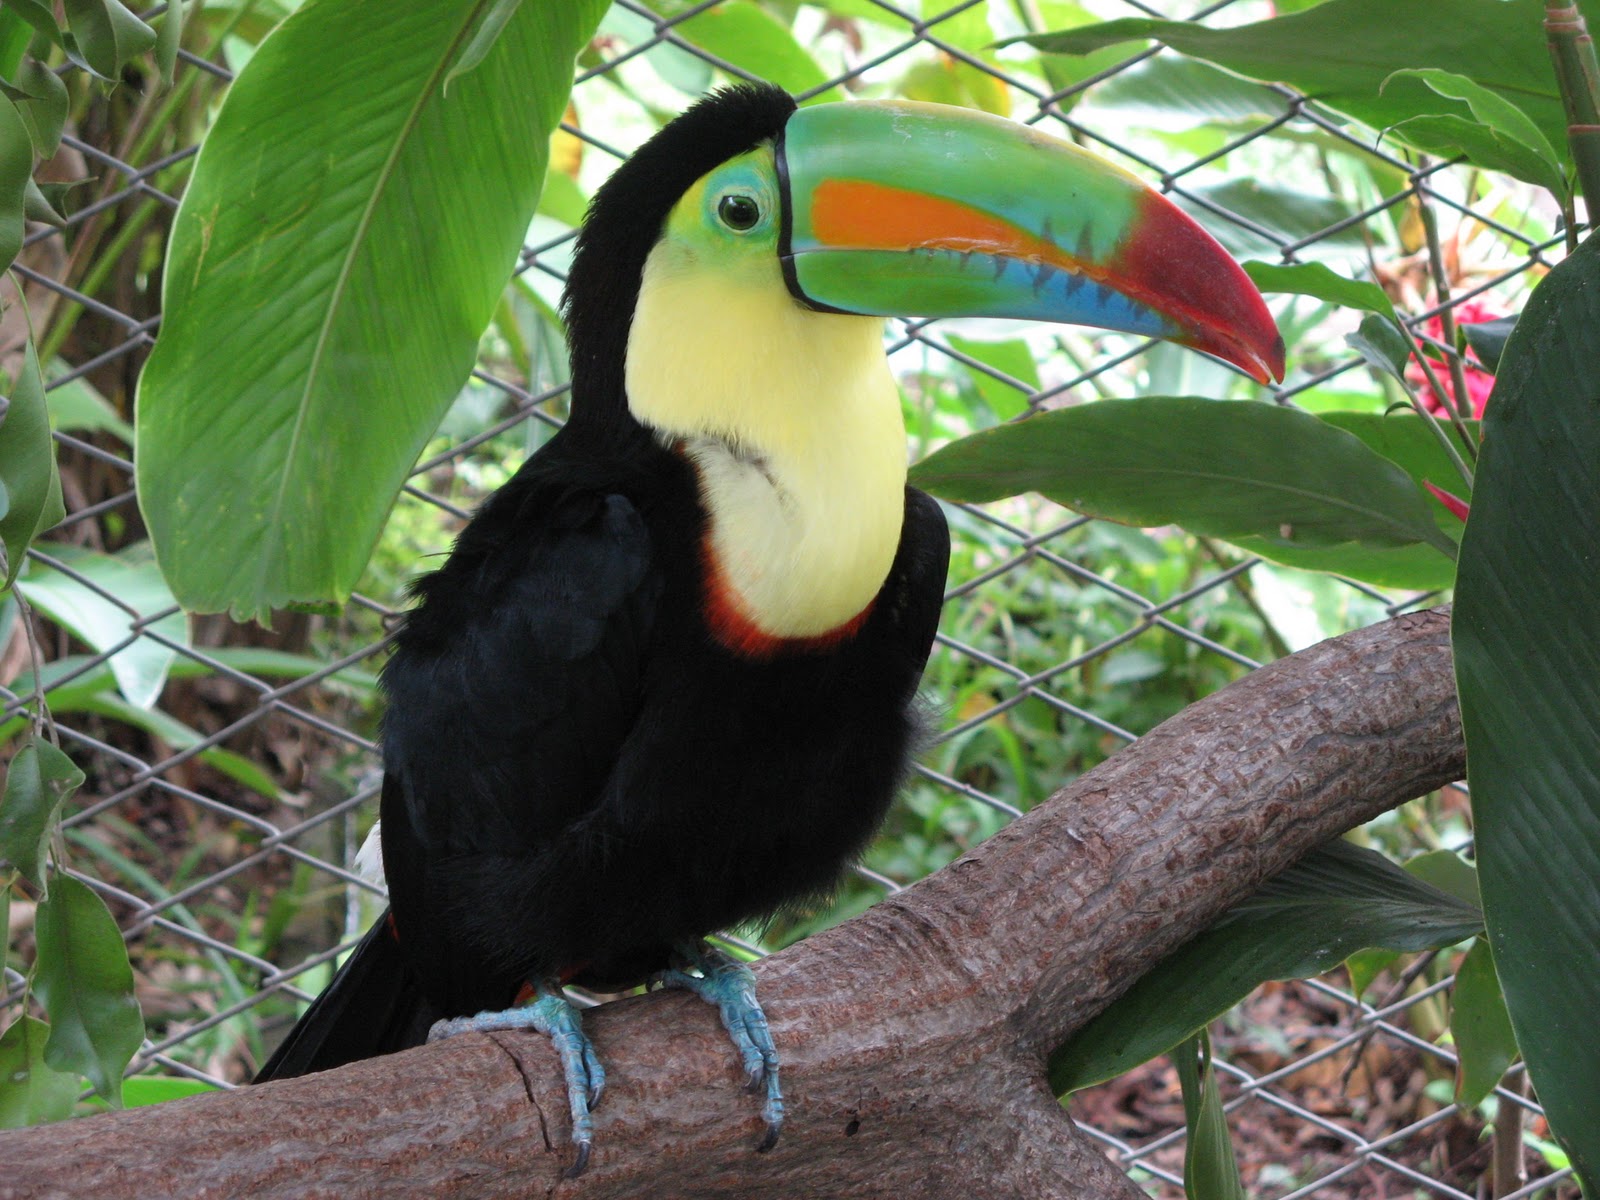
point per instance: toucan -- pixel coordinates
(666, 682)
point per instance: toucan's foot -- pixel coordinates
(552, 1015)
(731, 986)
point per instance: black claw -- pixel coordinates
(755, 1079)
(581, 1164)
(771, 1140)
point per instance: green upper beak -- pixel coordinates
(900, 209)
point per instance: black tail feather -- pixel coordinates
(372, 1007)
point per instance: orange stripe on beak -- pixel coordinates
(852, 214)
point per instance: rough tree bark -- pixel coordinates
(913, 1037)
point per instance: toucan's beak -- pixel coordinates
(906, 209)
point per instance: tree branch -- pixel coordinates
(913, 1037)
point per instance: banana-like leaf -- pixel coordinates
(348, 231)
(1526, 634)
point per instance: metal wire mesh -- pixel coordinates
(193, 850)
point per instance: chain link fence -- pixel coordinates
(232, 770)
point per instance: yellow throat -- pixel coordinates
(793, 422)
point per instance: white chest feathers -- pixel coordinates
(793, 423)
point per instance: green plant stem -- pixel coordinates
(1508, 1173)
(1578, 77)
(1459, 399)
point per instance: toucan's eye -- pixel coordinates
(738, 212)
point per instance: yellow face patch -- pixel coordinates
(790, 416)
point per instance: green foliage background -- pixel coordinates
(382, 219)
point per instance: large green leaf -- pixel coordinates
(30, 1092)
(1527, 651)
(348, 231)
(1335, 901)
(83, 979)
(1341, 52)
(1405, 439)
(1276, 475)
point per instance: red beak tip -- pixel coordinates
(1265, 364)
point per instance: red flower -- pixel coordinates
(1479, 382)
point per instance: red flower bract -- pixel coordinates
(1479, 382)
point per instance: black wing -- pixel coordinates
(512, 688)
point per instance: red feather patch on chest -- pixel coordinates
(736, 631)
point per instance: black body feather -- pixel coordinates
(578, 774)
